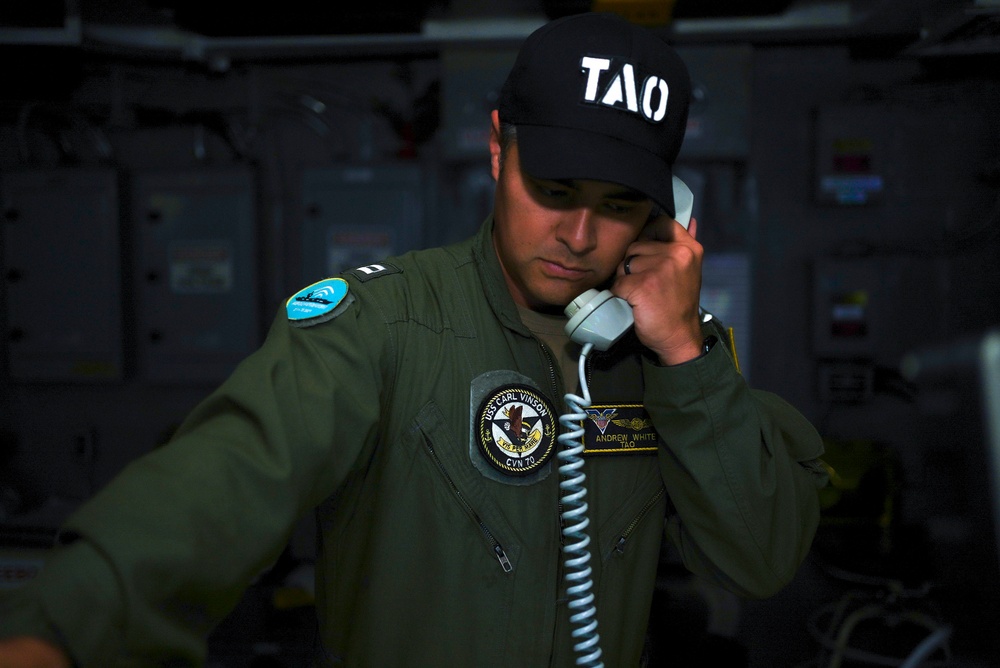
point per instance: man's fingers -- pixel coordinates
(665, 228)
(658, 229)
(628, 266)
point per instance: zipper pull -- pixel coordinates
(620, 545)
(502, 558)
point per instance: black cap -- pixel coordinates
(596, 97)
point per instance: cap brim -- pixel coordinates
(547, 152)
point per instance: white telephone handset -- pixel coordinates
(600, 318)
(597, 319)
(683, 202)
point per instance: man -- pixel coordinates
(414, 403)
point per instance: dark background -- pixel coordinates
(171, 171)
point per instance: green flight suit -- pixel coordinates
(430, 555)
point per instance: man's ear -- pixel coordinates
(495, 144)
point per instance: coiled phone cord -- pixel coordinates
(583, 615)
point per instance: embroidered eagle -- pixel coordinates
(635, 424)
(516, 428)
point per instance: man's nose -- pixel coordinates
(577, 230)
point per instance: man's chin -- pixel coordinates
(556, 294)
(550, 309)
(556, 303)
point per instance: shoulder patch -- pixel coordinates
(318, 302)
(370, 271)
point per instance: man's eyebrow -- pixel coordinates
(628, 195)
(625, 194)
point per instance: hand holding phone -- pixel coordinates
(658, 285)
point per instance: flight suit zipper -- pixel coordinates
(552, 367)
(619, 545)
(560, 627)
(495, 545)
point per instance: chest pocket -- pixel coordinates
(628, 496)
(462, 486)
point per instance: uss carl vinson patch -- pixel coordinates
(516, 428)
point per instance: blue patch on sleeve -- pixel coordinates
(316, 300)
